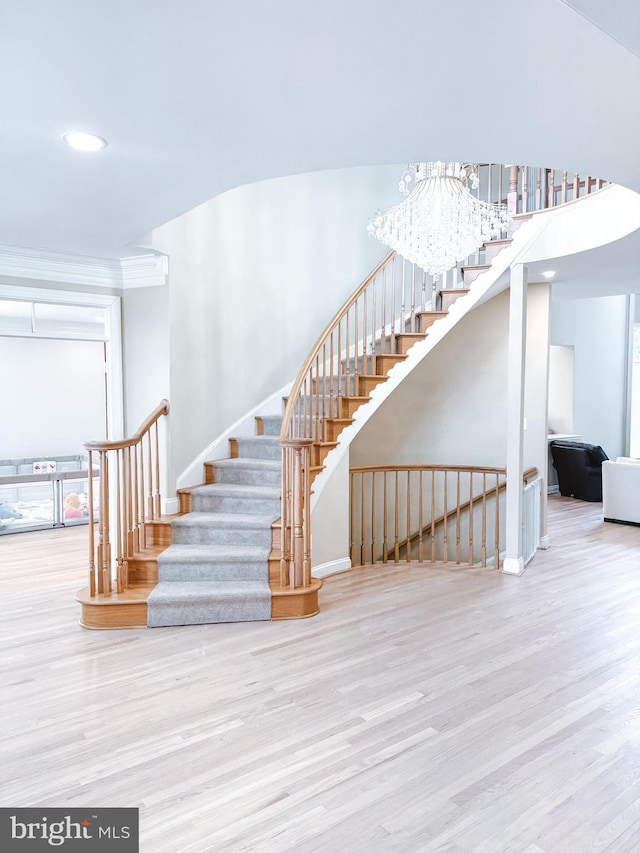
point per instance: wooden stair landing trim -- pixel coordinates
(126, 609)
(298, 603)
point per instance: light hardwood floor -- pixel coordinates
(424, 709)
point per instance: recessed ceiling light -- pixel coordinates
(82, 141)
(549, 273)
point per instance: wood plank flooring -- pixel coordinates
(425, 709)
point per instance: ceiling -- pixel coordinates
(198, 96)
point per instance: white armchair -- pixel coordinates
(621, 490)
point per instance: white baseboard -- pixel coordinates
(512, 566)
(169, 506)
(331, 568)
(544, 543)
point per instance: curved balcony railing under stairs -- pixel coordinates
(392, 309)
(428, 513)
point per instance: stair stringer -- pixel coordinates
(533, 241)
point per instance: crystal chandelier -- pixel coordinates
(440, 222)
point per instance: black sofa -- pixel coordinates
(579, 468)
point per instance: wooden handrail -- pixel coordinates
(129, 486)
(358, 346)
(161, 409)
(466, 469)
(474, 469)
(310, 359)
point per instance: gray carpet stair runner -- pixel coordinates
(216, 569)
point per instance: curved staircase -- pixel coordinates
(240, 548)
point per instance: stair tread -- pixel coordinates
(224, 519)
(268, 439)
(195, 593)
(219, 553)
(237, 490)
(188, 588)
(475, 267)
(246, 462)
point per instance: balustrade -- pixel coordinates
(428, 513)
(129, 487)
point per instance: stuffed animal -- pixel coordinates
(73, 506)
(7, 510)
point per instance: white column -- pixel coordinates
(513, 561)
(544, 443)
(631, 313)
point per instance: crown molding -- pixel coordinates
(144, 270)
(149, 270)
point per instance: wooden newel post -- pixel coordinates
(92, 563)
(295, 560)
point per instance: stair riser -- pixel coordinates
(345, 385)
(249, 448)
(448, 299)
(158, 533)
(493, 248)
(145, 573)
(319, 454)
(384, 363)
(362, 365)
(213, 572)
(243, 476)
(333, 428)
(220, 503)
(366, 384)
(185, 499)
(405, 342)
(184, 614)
(268, 425)
(428, 319)
(349, 405)
(469, 276)
(206, 535)
(315, 405)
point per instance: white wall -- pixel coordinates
(330, 523)
(53, 396)
(146, 351)
(596, 328)
(561, 359)
(254, 276)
